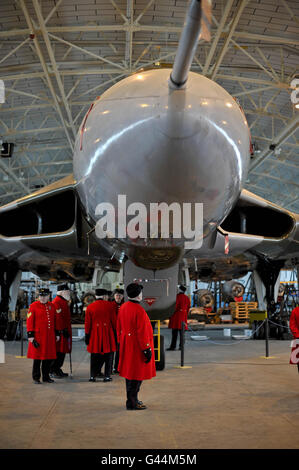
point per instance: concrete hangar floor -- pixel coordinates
(230, 398)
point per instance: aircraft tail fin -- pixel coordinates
(197, 24)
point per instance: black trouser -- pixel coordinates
(46, 363)
(116, 360)
(174, 338)
(132, 387)
(97, 361)
(58, 362)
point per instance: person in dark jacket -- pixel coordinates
(117, 303)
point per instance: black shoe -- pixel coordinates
(139, 402)
(49, 381)
(100, 375)
(115, 371)
(57, 375)
(137, 407)
(92, 379)
(170, 349)
(37, 381)
(107, 379)
(63, 374)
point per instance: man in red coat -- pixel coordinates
(42, 335)
(99, 335)
(64, 345)
(136, 346)
(180, 315)
(294, 327)
(117, 303)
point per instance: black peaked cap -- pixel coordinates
(119, 291)
(43, 291)
(63, 287)
(100, 292)
(133, 290)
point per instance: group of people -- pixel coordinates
(111, 327)
(101, 335)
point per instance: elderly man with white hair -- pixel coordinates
(64, 345)
(42, 331)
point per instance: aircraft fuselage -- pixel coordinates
(152, 143)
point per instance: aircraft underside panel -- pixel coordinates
(159, 289)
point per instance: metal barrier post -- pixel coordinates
(182, 338)
(22, 340)
(267, 335)
(21, 336)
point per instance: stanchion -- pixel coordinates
(182, 338)
(267, 336)
(22, 348)
(22, 340)
(267, 339)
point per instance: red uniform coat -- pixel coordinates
(182, 307)
(135, 334)
(99, 325)
(116, 308)
(294, 327)
(41, 319)
(64, 345)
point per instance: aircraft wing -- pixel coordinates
(254, 229)
(48, 233)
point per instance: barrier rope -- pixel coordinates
(235, 342)
(282, 326)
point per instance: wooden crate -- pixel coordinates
(252, 305)
(240, 310)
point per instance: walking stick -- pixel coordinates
(70, 353)
(71, 368)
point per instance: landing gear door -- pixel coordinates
(159, 289)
